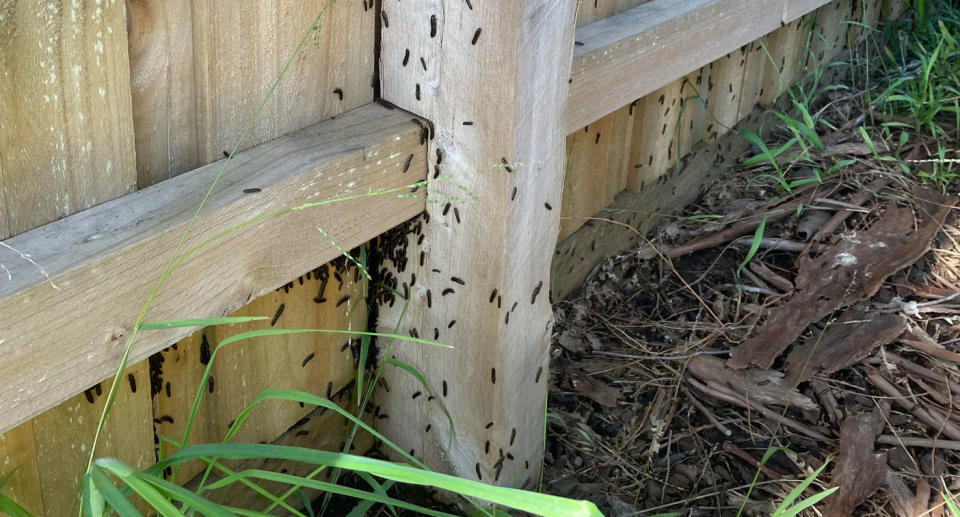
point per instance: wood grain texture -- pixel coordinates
(200, 69)
(787, 47)
(500, 238)
(241, 371)
(18, 455)
(793, 9)
(724, 89)
(240, 51)
(162, 85)
(687, 35)
(657, 130)
(593, 10)
(117, 250)
(66, 132)
(64, 436)
(596, 153)
(694, 105)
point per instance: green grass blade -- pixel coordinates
(331, 488)
(11, 508)
(951, 503)
(316, 400)
(755, 245)
(114, 497)
(540, 504)
(423, 382)
(786, 510)
(141, 487)
(199, 322)
(806, 503)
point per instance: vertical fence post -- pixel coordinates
(491, 76)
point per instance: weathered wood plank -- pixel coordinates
(793, 9)
(787, 46)
(593, 10)
(18, 455)
(656, 131)
(239, 51)
(64, 436)
(161, 76)
(105, 260)
(606, 71)
(66, 134)
(500, 241)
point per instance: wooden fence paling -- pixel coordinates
(106, 259)
(494, 382)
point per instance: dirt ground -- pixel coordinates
(687, 381)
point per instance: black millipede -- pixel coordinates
(276, 315)
(307, 359)
(406, 57)
(536, 291)
(493, 296)
(252, 190)
(133, 382)
(406, 164)
(433, 25)
(456, 214)
(447, 291)
(386, 21)
(457, 280)
(338, 92)
(476, 36)
(343, 300)
(444, 388)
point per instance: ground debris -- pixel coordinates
(852, 337)
(859, 472)
(690, 379)
(850, 271)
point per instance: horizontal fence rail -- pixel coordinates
(64, 327)
(630, 54)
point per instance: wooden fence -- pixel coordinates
(114, 119)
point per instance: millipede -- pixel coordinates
(433, 25)
(276, 315)
(476, 36)
(133, 382)
(406, 164)
(307, 359)
(536, 291)
(447, 291)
